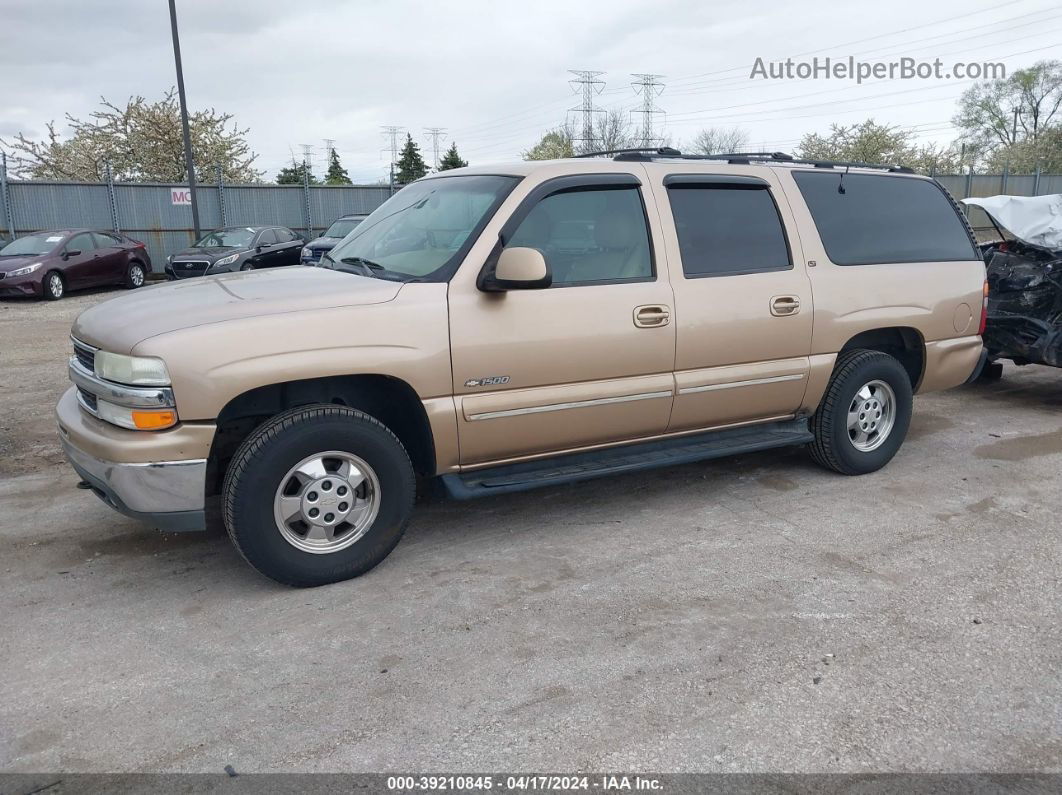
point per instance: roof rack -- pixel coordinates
(661, 151)
(745, 158)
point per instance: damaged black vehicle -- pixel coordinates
(1024, 268)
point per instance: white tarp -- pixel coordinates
(1032, 219)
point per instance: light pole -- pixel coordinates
(189, 164)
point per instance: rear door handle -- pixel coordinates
(782, 305)
(651, 316)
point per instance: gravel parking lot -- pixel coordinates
(749, 614)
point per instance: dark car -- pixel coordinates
(340, 228)
(47, 264)
(236, 248)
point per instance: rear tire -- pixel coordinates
(291, 468)
(865, 414)
(134, 276)
(53, 288)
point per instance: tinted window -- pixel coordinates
(882, 218)
(82, 243)
(589, 235)
(727, 230)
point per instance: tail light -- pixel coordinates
(984, 309)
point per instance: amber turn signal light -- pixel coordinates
(154, 420)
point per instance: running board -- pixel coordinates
(628, 458)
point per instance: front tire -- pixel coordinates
(53, 287)
(864, 415)
(134, 276)
(247, 266)
(317, 495)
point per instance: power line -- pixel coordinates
(587, 84)
(435, 133)
(650, 87)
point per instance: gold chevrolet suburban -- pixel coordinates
(524, 325)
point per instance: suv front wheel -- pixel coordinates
(864, 416)
(318, 494)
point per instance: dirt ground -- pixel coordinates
(750, 614)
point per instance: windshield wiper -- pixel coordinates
(375, 269)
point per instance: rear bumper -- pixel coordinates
(169, 494)
(981, 362)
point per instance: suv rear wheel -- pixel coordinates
(318, 494)
(864, 416)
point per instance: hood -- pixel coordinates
(121, 323)
(1036, 220)
(208, 253)
(8, 264)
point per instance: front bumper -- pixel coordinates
(167, 494)
(30, 285)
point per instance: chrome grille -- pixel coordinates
(85, 354)
(184, 268)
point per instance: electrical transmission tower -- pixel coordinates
(330, 145)
(650, 87)
(587, 84)
(435, 133)
(393, 132)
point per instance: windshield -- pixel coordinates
(342, 227)
(230, 238)
(32, 245)
(421, 230)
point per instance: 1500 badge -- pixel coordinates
(491, 380)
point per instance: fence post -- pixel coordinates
(221, 194)
(306, 201)
(1036, 182)
(969, 182)
(5, 196)
(115, 225)
(1004, 179)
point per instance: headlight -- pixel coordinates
(133, 370)
(136, 419)
(25, 271)
(226, 260)
(307, 251)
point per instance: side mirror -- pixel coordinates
(72, 252)
(260, 246)
(518, 268)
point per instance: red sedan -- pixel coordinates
(48, 264)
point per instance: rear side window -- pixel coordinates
(880, 218)
(727, 229)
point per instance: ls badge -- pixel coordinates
(492, 380)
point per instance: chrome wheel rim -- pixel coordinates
(871, 416)
(327, 502)
(55, 285)
(137, 276)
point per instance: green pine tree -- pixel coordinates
(411, 165)
(336, 175)
(295, 174)
(451, 159)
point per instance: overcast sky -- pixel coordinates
(494, 74)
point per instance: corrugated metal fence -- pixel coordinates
(146, 212)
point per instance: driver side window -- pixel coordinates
(590, 235)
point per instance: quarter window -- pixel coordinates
(727, 229)
(590, 235)
(866, 219)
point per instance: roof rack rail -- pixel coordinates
(660, 151)
(745, 158)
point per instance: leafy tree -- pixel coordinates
(1043, 151)
(296, 174)
(336, 174)
(451, 159)
(870, 142)
(142, 142)
(986, 113)
(556, 143)
(719, 140)
(411, 165)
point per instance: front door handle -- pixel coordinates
(652, 316)
(783, 305)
